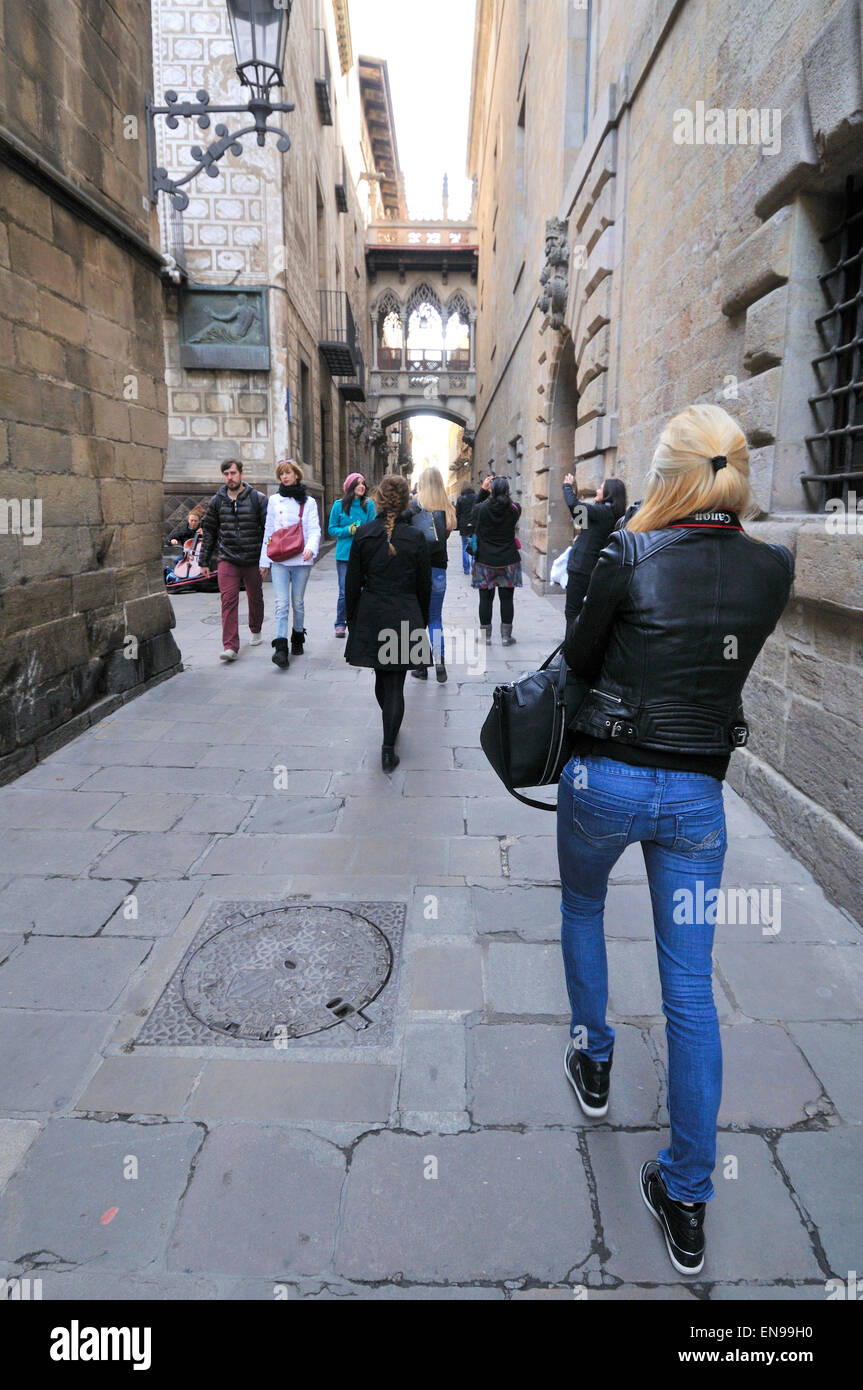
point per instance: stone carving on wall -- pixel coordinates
(554, 276)
(224, 327)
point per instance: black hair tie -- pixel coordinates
(719, 461)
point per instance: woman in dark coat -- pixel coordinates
(497, 561)
(594, 522)
(387, 598)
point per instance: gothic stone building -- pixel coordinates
(671, 210)
(267, 338)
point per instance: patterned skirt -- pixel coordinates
(496, 576)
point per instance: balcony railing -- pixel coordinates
(390, 359)
(338, 341)
(458, 360)
(342, 188)
(354, 388)
(322, 78)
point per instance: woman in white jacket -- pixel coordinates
(285, 508)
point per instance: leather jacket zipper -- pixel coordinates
(605, 695)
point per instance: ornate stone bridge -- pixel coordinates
(422, 297)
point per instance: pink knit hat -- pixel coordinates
(350, 480)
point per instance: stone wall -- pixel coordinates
(85, 621)
(691, 273)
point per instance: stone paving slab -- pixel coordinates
(16, 1136)
(813, 981)
(517, 1077)
(752, 1228)
(23, 808)
(756, 1057)
(150, 855)
(294, 815)
(522, 979)
(153, 779)
(433, 1068)
(441, 911)
(533, 914)
(260, 1201)
(827, 1175)
(474, 1221)
(141, 1085)
(834, 1051)
(280, 1089)
(78, 972)
(46, 1056)
(74, 1175)
(59, 906)
(146, 811)
(446, 978)
(152, 908)
(52, 851)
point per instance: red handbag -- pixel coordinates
(287, 542)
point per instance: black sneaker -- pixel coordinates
(590, 1081)
(683, 1227)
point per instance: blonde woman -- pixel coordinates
(678, 607)
(291, 504)
(431, 499)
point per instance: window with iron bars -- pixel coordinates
(836, 448)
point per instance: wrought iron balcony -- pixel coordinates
(342, 188)
(354, 388)
(322, 78)
(338, 342)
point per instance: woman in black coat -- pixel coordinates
(387, 598)
(595, 522)
(497, 560)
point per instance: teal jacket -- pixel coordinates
(340, 524)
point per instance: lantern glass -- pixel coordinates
(259, 29)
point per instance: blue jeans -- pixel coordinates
(438, 590)
(465, 554)
(679, 817)
(341, 611)
(288, 580)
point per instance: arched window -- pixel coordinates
(388, 314)
(457, 335)
(425, 330)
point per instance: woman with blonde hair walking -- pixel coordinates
(652, 743)
(387, 596)
(434, 512)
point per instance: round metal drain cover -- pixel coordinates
(287, 972)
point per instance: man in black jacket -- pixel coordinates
(594, 522)
(234, 523)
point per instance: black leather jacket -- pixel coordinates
(669, 630)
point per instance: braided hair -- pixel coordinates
(392, 498)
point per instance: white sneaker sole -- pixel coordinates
(593, 1113)
(681, 1269)
(226, 657)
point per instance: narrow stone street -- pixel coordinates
(440, 1152)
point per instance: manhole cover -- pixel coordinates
(260, 974)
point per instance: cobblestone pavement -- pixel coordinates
(197, 1172)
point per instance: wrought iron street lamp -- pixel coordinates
(259, 29)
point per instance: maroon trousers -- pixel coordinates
(229, 587)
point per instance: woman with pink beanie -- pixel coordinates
(346, 516)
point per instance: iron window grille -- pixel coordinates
(836, 448)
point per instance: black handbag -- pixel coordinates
(524, 735)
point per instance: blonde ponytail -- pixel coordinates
(682, 477)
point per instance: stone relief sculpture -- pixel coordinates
(554, 276)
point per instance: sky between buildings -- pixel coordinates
(429, 51)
